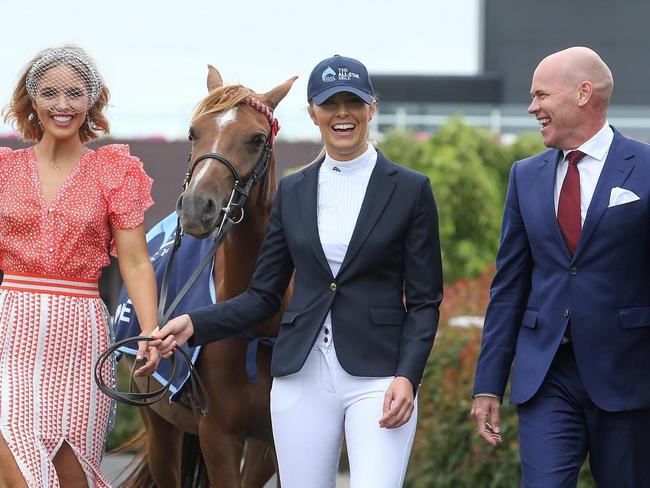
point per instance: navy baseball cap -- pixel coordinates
(339, 74)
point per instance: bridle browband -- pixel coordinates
(198, 394)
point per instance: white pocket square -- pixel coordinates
(619, 196)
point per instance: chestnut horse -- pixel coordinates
(234, 122)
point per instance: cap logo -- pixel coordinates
(345, 74)
(329, 74)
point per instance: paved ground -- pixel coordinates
(114, 464)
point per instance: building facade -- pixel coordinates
(515, 36)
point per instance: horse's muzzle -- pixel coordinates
(199, 214)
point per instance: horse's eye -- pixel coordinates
(259, 140)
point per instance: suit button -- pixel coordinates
(333, 287)
(573, 271)
(565, 312)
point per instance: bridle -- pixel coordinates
(240, 193)
(198, 394)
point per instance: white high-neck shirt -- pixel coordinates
(341, 188)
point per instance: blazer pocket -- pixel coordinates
(530, 318)
(387, 315)
(290, 316)
(624, 208)
(633, 318)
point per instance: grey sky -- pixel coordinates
(153, 54)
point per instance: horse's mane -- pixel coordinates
(224, 98)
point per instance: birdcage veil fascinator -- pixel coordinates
(64, 80)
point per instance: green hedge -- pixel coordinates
(468, 168)
(447, 452)
(127, 422)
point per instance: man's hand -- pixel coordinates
(175, 333)
(398, 403)
(484, 408)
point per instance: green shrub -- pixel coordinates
(468, 168)
(127, 420)
(447, 452)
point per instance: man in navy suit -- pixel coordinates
(570, 302)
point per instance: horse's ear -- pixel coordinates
(214, 78)
(273, 97)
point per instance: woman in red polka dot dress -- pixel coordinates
(63, 209)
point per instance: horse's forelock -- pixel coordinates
(220, 99)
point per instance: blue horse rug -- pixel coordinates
(160, 240)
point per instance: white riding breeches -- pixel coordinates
(313, 409)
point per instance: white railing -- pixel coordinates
(494, 121)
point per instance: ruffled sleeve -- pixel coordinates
(127, 188)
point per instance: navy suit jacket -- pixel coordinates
(394, 253)
(604, 289)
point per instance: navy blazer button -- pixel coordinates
(565, 312)
(333, 287)
(573, 271)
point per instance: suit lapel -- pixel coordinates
(546, 177)
(617, 167)
(379, 191)
(307, 206)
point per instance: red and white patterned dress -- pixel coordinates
(53, 324)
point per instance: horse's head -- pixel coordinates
(230, 129)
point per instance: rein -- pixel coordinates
(198, 395)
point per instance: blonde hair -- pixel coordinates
(20, 112)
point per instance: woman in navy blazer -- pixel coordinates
(361, 235)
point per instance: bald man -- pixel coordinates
(570, 302)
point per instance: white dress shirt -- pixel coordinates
(590, 167)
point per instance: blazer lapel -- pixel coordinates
(617, 167)
(546, 191)
(380, 188)
(307, 206)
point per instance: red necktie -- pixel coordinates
(568, 208)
